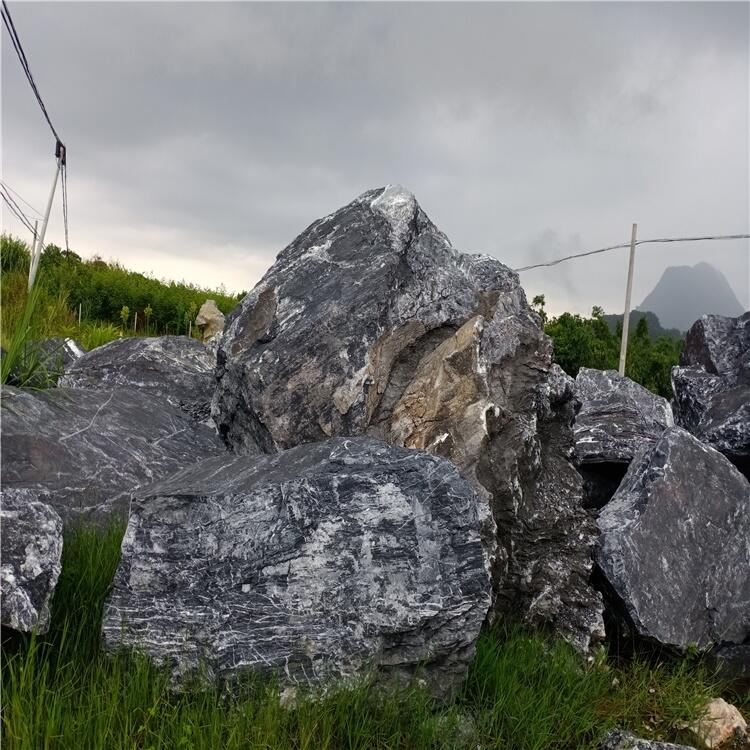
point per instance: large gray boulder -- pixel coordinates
(84, 451)
(317, 564)
(177, 368)
(31, 545)
(617, 419)
(674, 545)
(371, 323)
(712, 385)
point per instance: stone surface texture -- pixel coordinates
(617, 419)
(712, 385)
(31, 546)
(720, 724)
(674, 545)
(317, 563)
(401, 337)
(619, 740)
(176, 368)
(83, 451)
(210, 321)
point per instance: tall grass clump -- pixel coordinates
(523, 692)
(27, 316)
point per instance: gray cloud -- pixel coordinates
(204, 137)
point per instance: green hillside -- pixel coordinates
(112, 300)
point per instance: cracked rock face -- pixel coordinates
(674, 545)
(84, 451)
(403, 338)
(31, 553)
(617, 419)
(712, 386)
(317, 564)
(176, 368)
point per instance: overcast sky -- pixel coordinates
(203, 137)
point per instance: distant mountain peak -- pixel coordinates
(685, 293)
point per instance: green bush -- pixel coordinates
(14, 255)
(589, 342)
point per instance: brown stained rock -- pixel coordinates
(210, 321)
(721, 726)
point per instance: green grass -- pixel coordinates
(102, 292)
(522, 693)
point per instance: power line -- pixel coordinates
(17, 212)
(9, 25)
(19, 196)
(60, 149)
(627, 244)
(13, 205)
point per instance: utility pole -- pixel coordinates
(626, 316)
(59, 161)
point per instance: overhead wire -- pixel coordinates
(13, 204)
(10, 26)
(60, 149)
(627, 244)
(20, 197)
(16, 210)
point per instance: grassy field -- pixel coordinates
(524, 693)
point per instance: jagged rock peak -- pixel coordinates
(384, 278)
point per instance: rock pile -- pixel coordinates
(404, 468)
(404, 338)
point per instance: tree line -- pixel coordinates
(590, 342)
